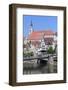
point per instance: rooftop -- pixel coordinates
(37, 35)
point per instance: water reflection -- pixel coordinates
(33, 67)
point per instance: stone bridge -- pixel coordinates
(45, 57)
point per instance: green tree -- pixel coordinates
(50, 50)
(28, 54)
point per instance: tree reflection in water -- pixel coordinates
(32, 67)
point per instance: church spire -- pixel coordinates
(31, 28)
(31, 24)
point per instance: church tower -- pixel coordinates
(31, 28)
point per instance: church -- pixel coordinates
(40, 39)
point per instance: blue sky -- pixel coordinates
(39, 23)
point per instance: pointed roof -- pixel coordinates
(31, 24)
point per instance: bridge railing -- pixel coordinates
(39, 57)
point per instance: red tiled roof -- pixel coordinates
(37, 35)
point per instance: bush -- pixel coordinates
(28, 54)
(50, 50)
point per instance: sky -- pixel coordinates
(40, 23)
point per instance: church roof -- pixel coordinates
(37, 35)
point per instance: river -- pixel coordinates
(32, 67)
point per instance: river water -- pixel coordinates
(33, 67)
